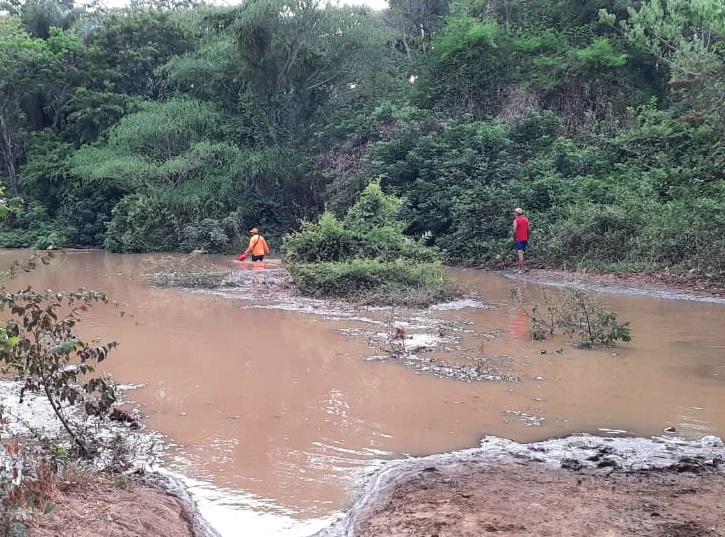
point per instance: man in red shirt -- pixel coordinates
(521, 236)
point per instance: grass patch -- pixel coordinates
(367, 281)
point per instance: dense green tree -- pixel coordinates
(123, 53)
(39, 16)
(416, 21)
(37, 75)
(686, 37)
(300, 58)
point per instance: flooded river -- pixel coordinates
(277, 409)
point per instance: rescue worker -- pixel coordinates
(257, 246)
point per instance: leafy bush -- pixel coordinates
(368, 231)
(207, 235)
(583, 316)
(598, 232)
(33, 229)
(365, 257)
(142, 224)
(40, 347)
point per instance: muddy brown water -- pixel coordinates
(276, 410)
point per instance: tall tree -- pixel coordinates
(300, 57)
(37, 78)
(123, 53)
(686, 37)
(416, 21)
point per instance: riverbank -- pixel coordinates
(655, 283)
(92, 504)
(581, 485)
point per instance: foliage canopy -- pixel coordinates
(173, 127)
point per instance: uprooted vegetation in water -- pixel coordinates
(577, 314)
(192, 271)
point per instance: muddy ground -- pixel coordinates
(478, 498)
(595, 493)
(601, 492)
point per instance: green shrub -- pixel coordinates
(594, 232)
(370, 230)
(365, 257)
(207, 235)
(142, 223)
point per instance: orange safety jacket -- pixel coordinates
(257, 245)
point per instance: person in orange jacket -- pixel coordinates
(257, 247)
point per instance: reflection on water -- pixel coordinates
(277, 414)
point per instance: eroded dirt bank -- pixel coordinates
(577, 486)
(154, 505)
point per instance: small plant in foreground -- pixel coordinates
(39, 346)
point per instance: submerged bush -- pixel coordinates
(184, 271)
(578, 314)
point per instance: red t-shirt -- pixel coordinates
(522, 229)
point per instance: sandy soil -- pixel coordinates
(461, 499)
(474, 499)
(141, 506)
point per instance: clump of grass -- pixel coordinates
(369, 281)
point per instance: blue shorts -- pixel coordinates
(521, 245)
